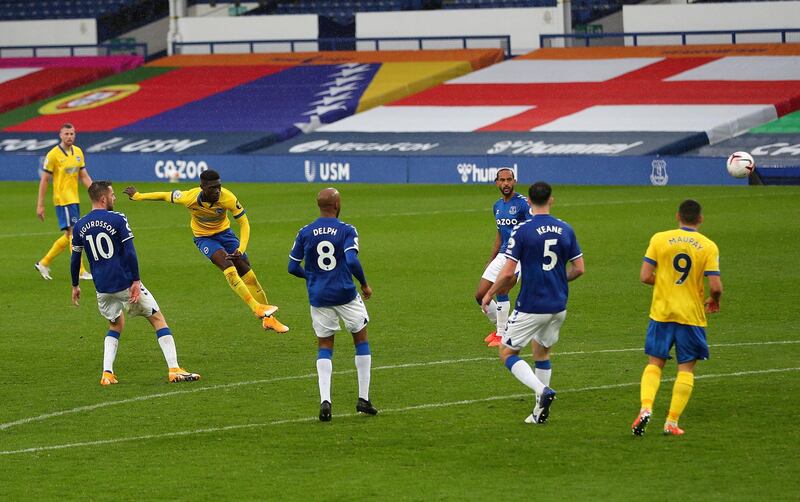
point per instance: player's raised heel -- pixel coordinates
(265, 310)
(108, 378)
(181, 375)
(640, 424)
(541, 411)
(495, 341)
(325, 411)
(44, 270)
(673, 430)
(364, 406)
(271, 323)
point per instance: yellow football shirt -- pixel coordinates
(65, 168)
(682, 258)
(208, 219)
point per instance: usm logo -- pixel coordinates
(327, 171)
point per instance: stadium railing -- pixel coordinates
(546, 40)
(109, 49)
(313, 44)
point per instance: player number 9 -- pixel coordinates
(682, 264)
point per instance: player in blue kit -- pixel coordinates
(543, 246)
(108, 241)
(328, 248)
(511, 210)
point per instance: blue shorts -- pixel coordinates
(67, 215)
(689, 341)
(225, 240)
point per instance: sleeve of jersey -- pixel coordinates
(296, 257)
(575, 249)
(48, 164)
(244, 232)
(513, 248)
(712, 261)
(351, 242)
(351, 255)
(75, 259)
(650, 255)
(132, 259)
(83, 159)
(165, 196)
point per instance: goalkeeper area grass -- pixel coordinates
(451, 420)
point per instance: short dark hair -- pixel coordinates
(209, 175)
(98, 188)
(689, 212)
(540, 193)
(66, 125)
(497, 175)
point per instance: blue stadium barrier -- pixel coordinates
(107, 49)
(577, 170)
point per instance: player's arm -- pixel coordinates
(74, 269)
(44, 181)
(244, 233)
(353, 263)
(134, 194)
(505, 280)
(296, 258)
(577, 268)
(715, 293)
(83, 175)
(647, 274)
(495, 247)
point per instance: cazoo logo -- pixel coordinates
(328, 171)
(180, 169)
(471, 173)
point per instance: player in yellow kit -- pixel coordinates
(675, 263)
(64, 166)
(209, 205)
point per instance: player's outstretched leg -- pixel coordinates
(240, 288)
(43, 270)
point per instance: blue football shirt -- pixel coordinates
(321, 245)
(508, 215)
(101, 235)
(543, 245)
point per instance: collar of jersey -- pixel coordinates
(200, 199)
(689, 229)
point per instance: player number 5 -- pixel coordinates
(548, 253)
(326, 261)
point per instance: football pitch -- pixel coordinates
(451, 421)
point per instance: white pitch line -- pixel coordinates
(192, 390)
(425, 406)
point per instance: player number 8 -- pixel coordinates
(326, 261)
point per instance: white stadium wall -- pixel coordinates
(48, 32)
(524, 25)
(711, 16)
(219, 29)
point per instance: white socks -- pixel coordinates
(168, 348)
(503, 308)
(491, 312)
(524, 374)
(363, 366)
(110, 353)
(324, 371)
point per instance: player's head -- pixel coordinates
(540, 194)
(329, 202)
(690, 213)
(211, 185)
(67, 135)
(102, 195)
(505, 181)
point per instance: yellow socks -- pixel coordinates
(236, 284)
(651, 379)
(254, 287)
(681, 392)
(56, 249)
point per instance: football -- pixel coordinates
(740, 164)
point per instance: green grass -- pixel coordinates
(449, 430)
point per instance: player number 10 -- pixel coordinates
(102, 247)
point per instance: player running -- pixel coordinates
(108, 240)
(209, 205)
(543, 245)
(329, 249)
(64, 165)
(511, 210)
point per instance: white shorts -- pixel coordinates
(325, 320)
(111, 305)
(523, 328)
(495, 266)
